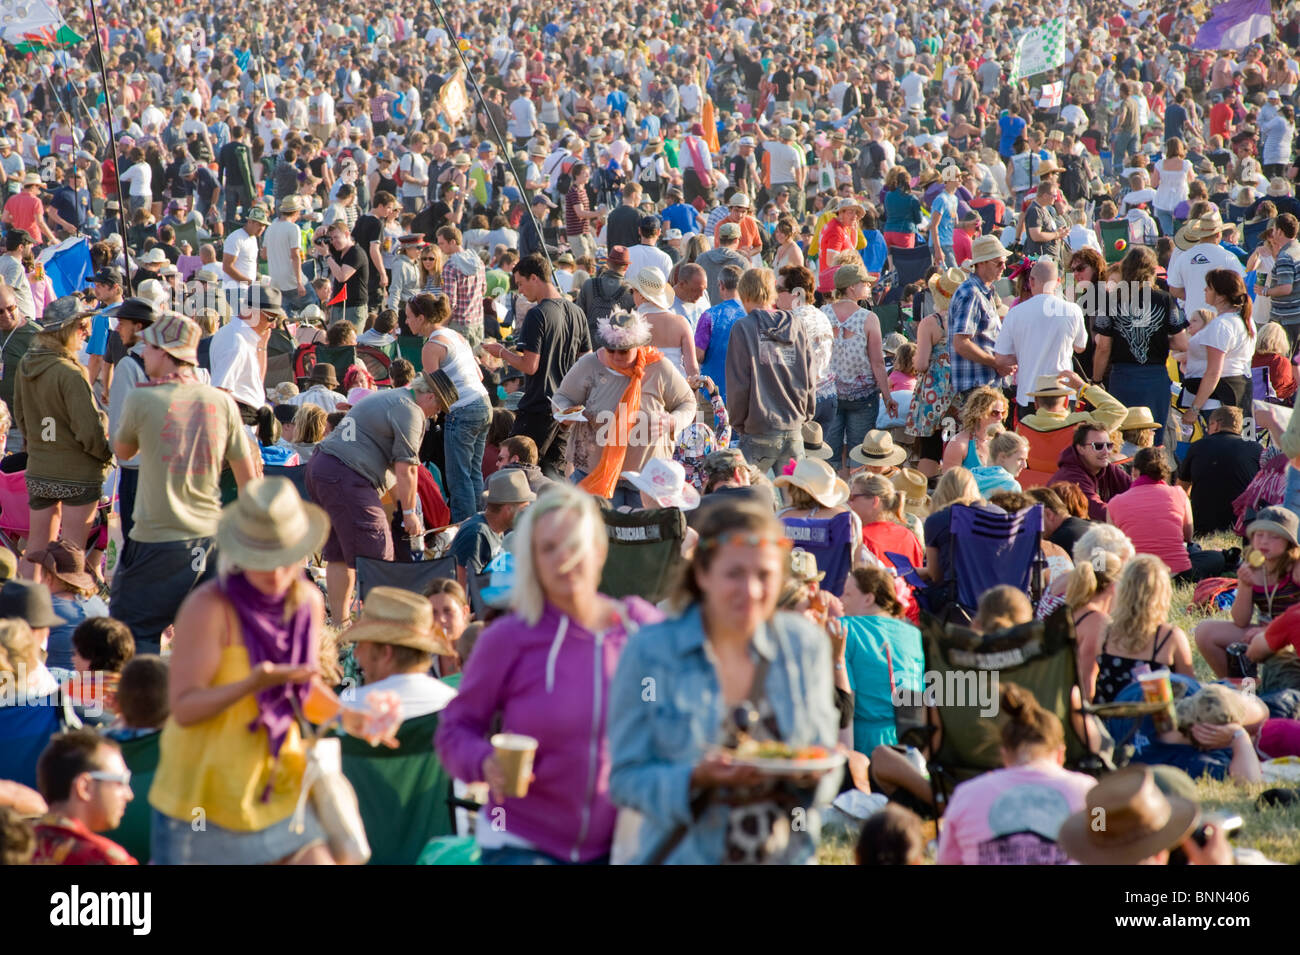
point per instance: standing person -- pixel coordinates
(787, 167)
(1218, 356)
(133, 317)
(1200, 252)
(184, 432)
(974, 322)
(377, 447)
(771, 391)
(713, 333)
(464, 282)
(350, 270)
(239, 257)
(553, 336)
(561, 644)
(65, 434)
(725, 253)
(18, 244)
(795, 286)
(933, 395)
(943, 218)
(283, 245)
(18, 333)
(369, 234)
(235, 168)
(857, 361)
(1283, 291)
(1171, 178)
(1044, 229)
(727, 652)
(243, 666)
(579, 217)
(465, 431)
(414, 168)
(1042, 334)
(237, 352)
(405, 280)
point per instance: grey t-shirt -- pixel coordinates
(383, 429)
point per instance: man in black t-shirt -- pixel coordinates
(349, 270)
(368, 234)
(553, 336)
(1043, 230)
(1217, 469)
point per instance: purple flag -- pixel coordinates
(1235, 24)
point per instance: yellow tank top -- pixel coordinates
(221, 768)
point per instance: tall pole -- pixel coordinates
(112, 144)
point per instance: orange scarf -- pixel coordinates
(602, 481)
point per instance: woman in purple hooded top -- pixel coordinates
(546, 669)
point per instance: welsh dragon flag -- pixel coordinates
(30, 21)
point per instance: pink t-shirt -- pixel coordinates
(1152, 515)
(1011, 816)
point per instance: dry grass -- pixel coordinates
(1275, 831)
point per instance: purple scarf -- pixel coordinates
(268, 637)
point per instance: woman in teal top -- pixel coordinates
(882, 653)
(729, 666)
(902, 210)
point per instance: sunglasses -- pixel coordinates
(1101, 445)
(1079, 267)
(122, 779)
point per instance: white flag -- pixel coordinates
(1051, 94)
(21, 17)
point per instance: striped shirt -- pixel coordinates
(575, 202)
(1285, 309)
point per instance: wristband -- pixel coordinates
(405, 512)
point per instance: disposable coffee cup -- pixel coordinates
(1157, 687)
(514, 753)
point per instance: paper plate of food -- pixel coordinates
(574, 414)
(782, 759)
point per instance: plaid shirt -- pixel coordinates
(972, 313)
(465, 293)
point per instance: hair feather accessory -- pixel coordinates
(621, 329)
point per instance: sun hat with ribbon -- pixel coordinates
(1139, 419)
(269, 525)
(878, 450)
(913, 486)
(803, 567)
(944, 285)
(665, 483)
(400, 618)
(987, 248)
(814, 444)
(816, 477)
(1207, 227)
(1049, 386)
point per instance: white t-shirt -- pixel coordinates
(1188, 269)
(784, 162)
(1042, 332)
(1228, 334)
(414, 166)
(913, 87)
(523, 117)
(647, 256)
(243, 247)
(282, 237)
(140, 178)
(235, 367)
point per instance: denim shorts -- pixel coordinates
(177, 842)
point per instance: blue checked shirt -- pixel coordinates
(973, 313)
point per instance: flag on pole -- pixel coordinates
(1040, 49)
(454, 98)
(67, 265)
(339, 296)
(21, 17)
(1234, 25)
(1051, 94)
(710, 123)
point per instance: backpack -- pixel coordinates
(397, 173)
(565, 182)
(648, 174)
(1214, 594)
(869, 162)
(1075, 178)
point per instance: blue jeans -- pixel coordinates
(355, 315)
(1124, 143)
(464, 439)
(1143, 386)
(622, 496)
(1166, 220)
(295, 303)
(826, 412)
(854, 417)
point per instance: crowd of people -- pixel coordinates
(606, 414)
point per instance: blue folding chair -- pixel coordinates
(296, 473)
(830, 541)
(910, 265)
(413, 575)
(992, 548)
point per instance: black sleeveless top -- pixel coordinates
(1115, 672)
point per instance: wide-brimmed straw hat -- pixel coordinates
(914, 488)
(814, 444)
(269, 525)
(1140, 820)
(652, 284)
(665, 482)
(878, 450)
(1139, 419)
(816, 477)
(1207, 227)
(803, 566)
(944, 285)
(401, 618)
(987, 248)
(1049, 386)
(1047, 167)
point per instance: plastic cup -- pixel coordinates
(1158, 688)
(514, 753)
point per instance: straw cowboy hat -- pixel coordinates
(401, 618)
(665, 482)
(269, 525)
(986, 248)
(650, 282)
(1047, 167)
(943, 285)
(913, 486)
(803, 567)
(1207, 227)
(952, 173)
(1049, 386)
(1277, 186)
(1140, 820)
(878, 450)
(1139, 419)
(815, 477)
(813, 443)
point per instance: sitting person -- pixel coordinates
(451, 615)
(878, 505)
(306, 430)
(395, 642)
(84, 780)
(957, 486)
(980, 825)
(1060, 524)
(275, 451)
(1265, 591)
(75, 597)
(1086, 462)
(813, 491)
(101, 649)
(1137, 633)
(1052, 396)
(1273, 351)
(1009, 453)
(142, 708)
(980, 417)
(892, 836)
(1213, 736)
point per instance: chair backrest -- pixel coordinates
(15, 507)
(296, 473)
(1261, 386)
(414, 575)
(24, 731)
(404, 793)
(890, 315)
(280, 350)
(140, 754)
(1112, 230)
(410, 347)
(911, 264)
(377, 361)
(475, 585)
(991, 548)
(830, 541)
(1045, 449)
(989, 215)
(1251, 233)
(187, 232)
(306, 357)
(645, 548)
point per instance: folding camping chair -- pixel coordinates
(413, 575)
(376, 360)
(279, 358)
(910, 265)
(404, 794)
(645, 548)
(830, 541)
(410, 348)
(475, 585)
(15, 510)
(880, 654)
(991, 548)
(140, 753)
(1112, 230)
(1251, 233)
(296, 474)
(342, 357)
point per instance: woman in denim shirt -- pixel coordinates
(683, 685)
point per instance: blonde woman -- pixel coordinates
(533, 675)
(1271, 351)
(310, 425)
(67, 437)
(1171, 177)
(1137, 634)
(957, 486)
(1008, 455)
(879, 506)
(981, 417)
(933, 395)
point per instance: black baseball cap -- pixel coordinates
(108, 275)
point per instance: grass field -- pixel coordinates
(1275, 831)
